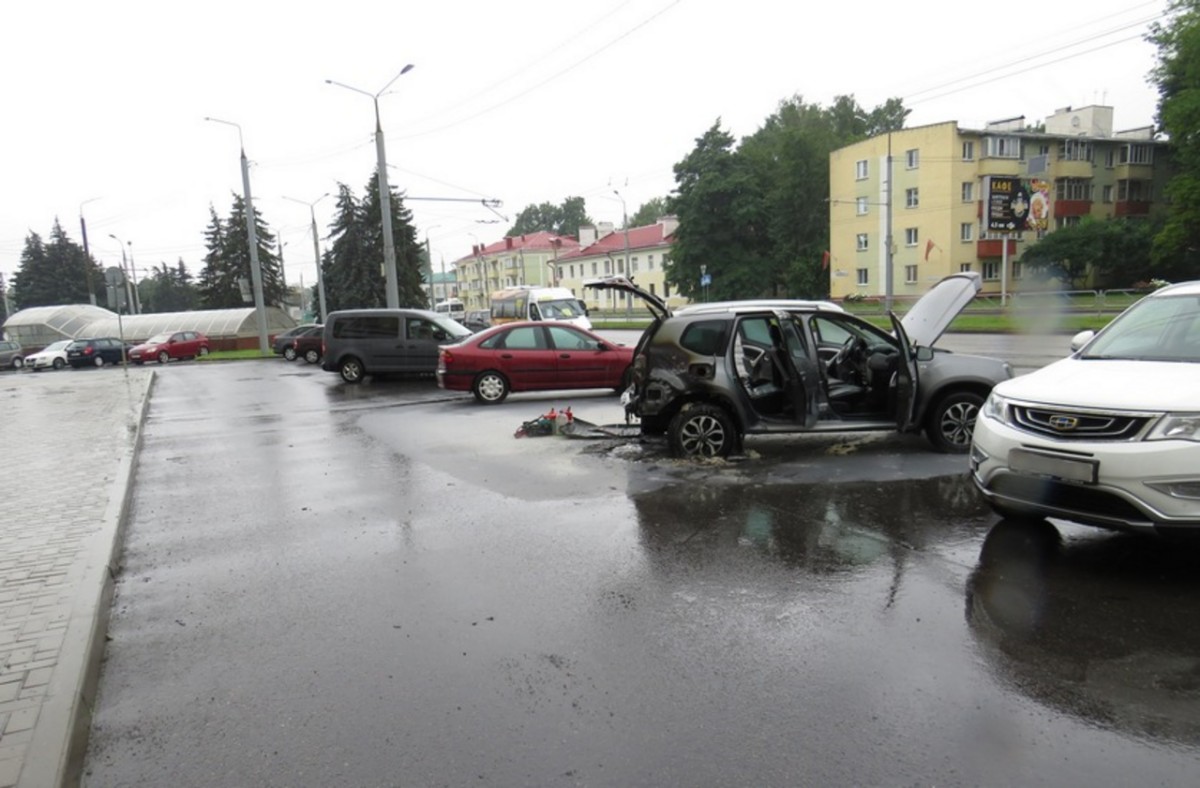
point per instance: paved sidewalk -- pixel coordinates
(68, 441)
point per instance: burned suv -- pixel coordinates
(713, 373)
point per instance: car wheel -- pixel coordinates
(59, 363)
(702, 431)
(99, 361)
(289, 353)
(163, 357)
(203, 352)
(490, 388)
(351, 370)
(952, 421)
(311, 356)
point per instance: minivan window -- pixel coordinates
(367, 327)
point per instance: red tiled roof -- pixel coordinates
(540, 241)
(639, 238)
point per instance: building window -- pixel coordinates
(968, 150)
(1073, 188)
(633, 265)
(1074, 150)
(862, 277)
(593, 264)
(1133, 191)
(651, 287)
(861, 242)
(1110, 158)
(1016, 268)
(650, 263)
(860, 206)
(912, 158)
(965, 268)
(1106, 193)
(910, 236)
(910, 274)
(572, 268)
(966, 231)
(1002, 147)
(1136, 154)
(968, 191)
(860, 170)
(991, 271)
(911, 198)
(1065, 221)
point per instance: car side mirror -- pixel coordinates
(924, 353)
(1081, 339)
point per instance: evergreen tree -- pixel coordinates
(227, 261)
(56, 273)
(169, 290)
(3, 300)
(410, 253)
(649, 213)
(218, 284)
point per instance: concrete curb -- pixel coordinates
(56, 754)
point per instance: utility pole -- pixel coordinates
(312, 213)
(888, 259)
(87, 256)
(137, 298)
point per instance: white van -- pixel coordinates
(538, 303)
(452, 308)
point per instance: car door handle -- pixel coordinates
(506, 355)
(564, 355)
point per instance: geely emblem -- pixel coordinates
(1064, 423)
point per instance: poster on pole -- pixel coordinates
(1015, 205)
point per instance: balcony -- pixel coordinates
(1131, 208)
(1066, 208)
(991, 247)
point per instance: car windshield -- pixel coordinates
(158, 339)
(451, 327)
(1166, 328)
(60, 345)
(560, 309)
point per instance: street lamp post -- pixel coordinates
(87, 255)
(137, 297)
(628, 273)
(429, 259)
(129, 302)
(252, 238)
(385, 202)
(316, 250)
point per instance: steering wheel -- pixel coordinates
(847, 364)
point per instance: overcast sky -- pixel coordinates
(526, 101)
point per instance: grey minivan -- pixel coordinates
(361, 342)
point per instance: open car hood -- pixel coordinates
(657, 306)
(928, 319)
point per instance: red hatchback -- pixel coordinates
(164, 347)
(534, 356)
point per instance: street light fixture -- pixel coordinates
(130, 301)
(628, 273)
(252, 238)
(385, 202)
(316, 250)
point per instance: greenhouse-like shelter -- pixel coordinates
(228, 329)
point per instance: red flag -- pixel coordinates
(825, 261)
(929, 247)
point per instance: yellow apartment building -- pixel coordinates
(933, 200)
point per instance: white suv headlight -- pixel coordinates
(995, 407)
(1176, 427)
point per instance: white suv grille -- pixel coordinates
(1075, 425)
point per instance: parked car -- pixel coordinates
(361, 342)
(53, 356)
(171, 345)
(11, 356)
(283, 340)
(1109, 436)
(96, 352)
(712, 374)
(532, 356)
(309, 346)
(478, 319)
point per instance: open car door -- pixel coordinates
(906, 378)
(805, 383)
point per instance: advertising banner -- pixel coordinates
(1015, 204)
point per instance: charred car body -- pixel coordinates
(713, 373)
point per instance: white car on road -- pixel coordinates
(1109, 436)
(53, 356)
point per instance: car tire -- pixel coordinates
(312, 356)
(702, 431)
(952, 420)
(203, 352)
(490, 388)
(18, 362)
(163, 357)
(351, 370)
(99, 361)
(289, 353)
(58, 363)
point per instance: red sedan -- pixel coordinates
(533, 356)
(171, 345)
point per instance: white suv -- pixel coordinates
(1109, 436)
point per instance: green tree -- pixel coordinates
(649, 212)
(56, 273)
(1177, 75)
(168, 290)
(410, 252)
(227, 260)
(565, 219)
(1103, 253)
(218, 284)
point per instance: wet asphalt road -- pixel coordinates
(379, 585)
